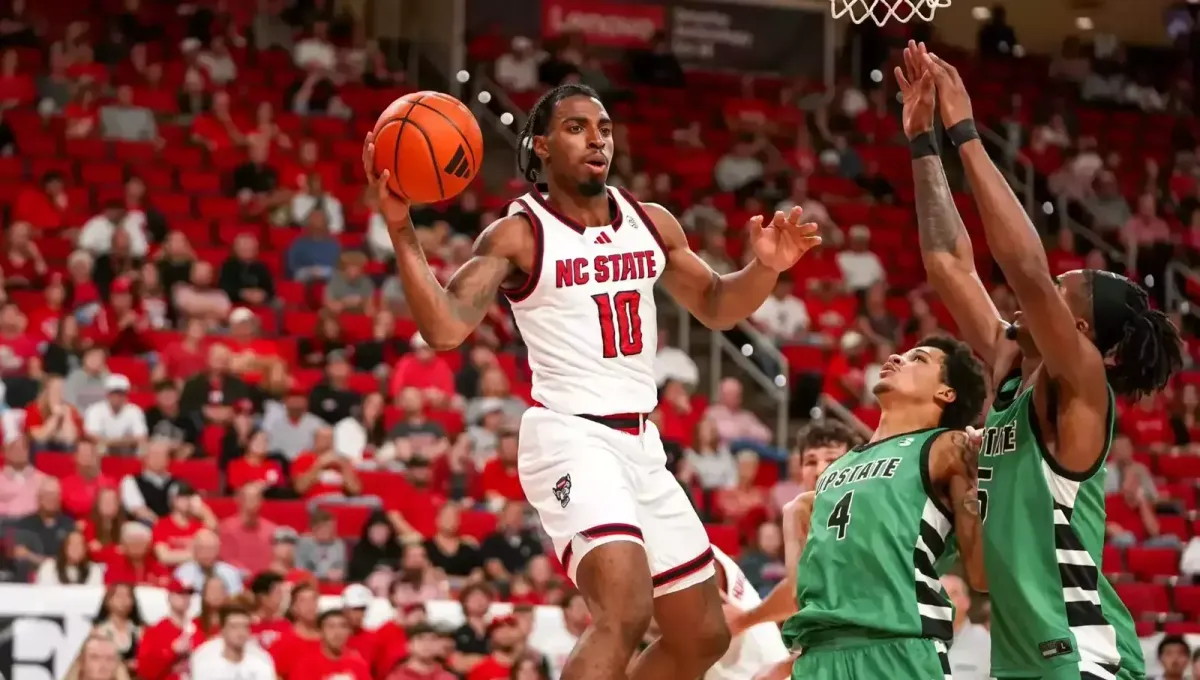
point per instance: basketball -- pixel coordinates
(432, 145)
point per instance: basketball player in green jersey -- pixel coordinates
(862, 545)
(1079, 338)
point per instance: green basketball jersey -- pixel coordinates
(877, 530)
(1043, 540)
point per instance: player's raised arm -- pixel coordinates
(1069, 356)
(945, 245)
(447, 316)
(954, 465)
(719, 301)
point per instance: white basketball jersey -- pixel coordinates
(587, 311)
(757, 647)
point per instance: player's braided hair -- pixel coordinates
(528, 163)
(1146, 349)
(964, 374)
(822, 433)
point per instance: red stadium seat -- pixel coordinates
(1148, 563)
(1144, 598)
(292, 514)
(201, 473)
(133, 368)
(55, 464)
(1187, 600)
(120, 466)
(1179, 467)
(350, 518)
(725, 537)
(477, 524)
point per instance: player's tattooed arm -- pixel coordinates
(447, 316)
(954, 463)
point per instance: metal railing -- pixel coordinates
(1019, 171)
(777, 387)
(498, 99)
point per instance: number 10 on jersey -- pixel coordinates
(620, 323)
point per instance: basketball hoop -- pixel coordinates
(882, 11)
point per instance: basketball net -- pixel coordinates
(882, 11)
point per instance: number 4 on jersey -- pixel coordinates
(620, 323)
(839, 519)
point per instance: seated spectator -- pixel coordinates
(231, 654)
(199, 297)
(133, 560)
(326, 339)
(71, 566)
(120, 620)
(363, 432)
(117, 425)
(215, 391)
(250, 354)
(421, 437)
(494, 395)
(742, 501)
(875, 321)
(175, 260)
(499, 480)
(125, 121)
(291, 429)
(16, 88)
(1147, 425)
(206, 547)
(314, 255)
(166, 420)
(255, 468)
(38, 536)
(471, 639)
(266, 128)
(121, 325)
(244, 277)
(187, 356)
(321, 551)
(313, 197)
(308, 162)
(672, 363)
(174, 532)
(509, 548)
(325, 474)
(418, 581)
(1174, 656)
(782, 316)
(218, 63)
(332, 400)
(486, 425)
(377, 551)
(52, 423)
(218, 130)
(316, 94)
(88, 384)
(316, 52)
(714, 253)
(146, 495)
(517, 69)
(763, 562)
(1135, 484)
(80, 488)
(152, 299)
(102, 526)
(24, 266)
(256, 182)
(81, 114)
(1064, 257)
(350, 290)
(63, 352)
(711, 460)
(46, 208)
(737, 427)
(246, 536)
(18, 350)
(425, 657)
(458, 556)
(423, 370)
(1110, 211)
(972, 649)
(860, 267)
(740, 166)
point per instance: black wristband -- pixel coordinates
(922, 146)
(962, 132)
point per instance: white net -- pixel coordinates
(883, 11)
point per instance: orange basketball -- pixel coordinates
(432, 145)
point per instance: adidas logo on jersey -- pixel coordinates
(603, 238)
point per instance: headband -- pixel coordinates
(1116, 301)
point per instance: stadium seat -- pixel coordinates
(1179, 467)
(1150, 563)
(477, 524)
(350, 518)
(1144, 598)
(201, 473)
(133, 368)
(120, 466)
(725, 537)
(1187, 600)
(55, 464)
(292, 514)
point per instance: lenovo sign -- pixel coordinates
(603, 23)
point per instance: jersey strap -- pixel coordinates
(522, 292)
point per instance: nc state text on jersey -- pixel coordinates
(576, 271)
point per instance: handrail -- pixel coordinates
(845, 415)
(1022, 182)
(481, 82)
(777, 388)
(1176, 299)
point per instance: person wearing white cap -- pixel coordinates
(356, 599)
(116, 424)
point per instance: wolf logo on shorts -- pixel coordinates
(562, 490)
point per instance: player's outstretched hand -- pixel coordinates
(393, 208)
(735, 617)
(953, 99)
(916, 90)
(784, 241)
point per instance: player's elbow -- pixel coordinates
(717, 323)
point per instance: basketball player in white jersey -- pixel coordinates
(578, 262)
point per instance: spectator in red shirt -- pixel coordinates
(82, 115)
(167, 645)
(269, 625)
(1064, 257)
(505, 639)
(1148, 425)
(24, 266)
(303, 640)
(218, 130)
(133, 562)
(213, 596)
(246, 536)
(356, 598)
(251, 353)
(16, 88)
(333, 659)
(678, 417)
(85, 293)
(744, 503)
(44, 321)
(844, 377)
(81, 487)
(102, 528)
(255, 468)
(323, 471)
(454, 475)
(423, 369)
(19, 354)
(424, 657)
(120, 326)
(187, 356)
(173, 533)
(52, 423)
(500, 482)
(46, 207)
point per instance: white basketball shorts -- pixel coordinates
(594, 483)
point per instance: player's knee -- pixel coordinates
(712, 637)
(615, 580)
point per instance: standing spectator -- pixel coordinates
(291, 429)
(322, 552)
(174, 532)
(509, 548)
(782, 316)
(424, 370)
(971, 653)
(19, 481)
(71, 566)
(206, 549)
(120, 620)
(52, 423)
(860, 267)
(115, 423)
(314, 255)
(97, 234)
(499, 480)
(449, 551)
(125, 121)
(146, 495)
(244, 277)
(246, 536)
(322, 473)
(333, 658)
(737, 427)
(39, 536)
(517, 69)
(80, 488)
(424, 660)
(166, 420)
(350, 289)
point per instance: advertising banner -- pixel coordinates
(603, 24)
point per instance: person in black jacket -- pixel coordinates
(245, 278)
